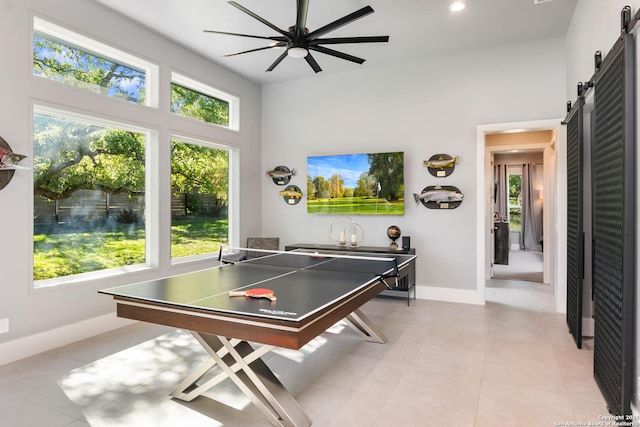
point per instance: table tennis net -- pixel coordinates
(381, 266)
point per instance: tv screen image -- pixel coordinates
(368, 183)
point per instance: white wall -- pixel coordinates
(32, 313)
(429, 106)
(596, 26)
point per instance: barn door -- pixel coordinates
(575, 232)
(613, 165)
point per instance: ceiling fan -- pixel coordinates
(298, 41)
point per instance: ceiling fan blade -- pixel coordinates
(340, 22)
(312, 63)
(277, 61)
(301, 17)
(261, 19)
(337, 54)
(347, 40)
(275, 38)
(256, 50)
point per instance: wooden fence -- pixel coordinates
(95, 206)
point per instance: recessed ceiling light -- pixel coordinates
(457, 6)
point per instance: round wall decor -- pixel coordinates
(281, 175)
(5, 174)
(291, 194)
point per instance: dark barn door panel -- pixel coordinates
(613, 166)
(575, 232)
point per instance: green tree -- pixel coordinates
(336, 183)
(199, 169)
(57, 61)
(388, 170)
(311, 189)
(515, 186)
(71, 156)
(366, 185)
(190, 103)
(323, 187)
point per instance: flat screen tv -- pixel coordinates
(352, 184)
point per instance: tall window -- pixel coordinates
(515, 200)
(200, 198)
(89, 196)
(100, 177)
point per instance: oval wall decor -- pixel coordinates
(440, 197)
(441, 165)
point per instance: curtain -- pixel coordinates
(531, 216)
(500, 190)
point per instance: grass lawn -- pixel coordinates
(70, 252)
(355, 205)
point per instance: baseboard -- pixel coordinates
(588, 327)
(464, 296)
(54, 338)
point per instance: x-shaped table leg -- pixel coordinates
(242, 363)
(365, 327)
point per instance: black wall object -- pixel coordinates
(501, 241)
(7, 174)
(281, 175)
(613, 166)
(441, 165)
(575, 231)
(291, 194)
(440, 197)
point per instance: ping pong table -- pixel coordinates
(313, 292)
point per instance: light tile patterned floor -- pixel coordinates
(508, 363)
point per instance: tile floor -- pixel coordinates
(508, 363)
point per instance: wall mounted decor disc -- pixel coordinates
(7, 174)
(441, 165)
(291, 194)
(440, 197)
(281, 175)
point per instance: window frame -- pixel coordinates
(230, 158)
(514, 170)
(94, 46)
(160, 127)
(205, 89)
(151, 242)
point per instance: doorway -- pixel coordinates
(518, 205)
(548, 138)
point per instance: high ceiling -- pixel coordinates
(417, 29)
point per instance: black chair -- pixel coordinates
(265, 243)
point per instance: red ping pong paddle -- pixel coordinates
(254, 293)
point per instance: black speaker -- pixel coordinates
(406, 242)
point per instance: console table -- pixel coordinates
(501, 242)
(406, 283)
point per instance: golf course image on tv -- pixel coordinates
(371, 183)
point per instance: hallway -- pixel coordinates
(523, 265)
